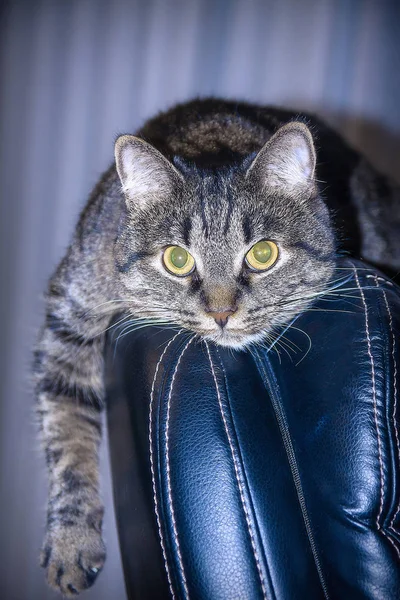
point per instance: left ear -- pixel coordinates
(286, 163)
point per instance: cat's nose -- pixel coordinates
(221, 317)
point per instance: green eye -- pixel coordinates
(178, 261)
(262, 255)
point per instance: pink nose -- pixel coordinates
(221, 317)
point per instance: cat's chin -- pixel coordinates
(235, 340)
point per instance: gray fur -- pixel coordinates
(210, 178)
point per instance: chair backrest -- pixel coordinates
(269, 473)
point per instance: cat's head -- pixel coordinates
(231, 253)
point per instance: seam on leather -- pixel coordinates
(287, 442)
(169, 487)
(237, 475)
(395, 534)
(382, 476)
(395, 394)
(244, 476)
(374, 398)
(153, 479)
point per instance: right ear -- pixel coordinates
(146, 175)
(286, 163)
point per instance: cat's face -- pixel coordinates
(231, 255)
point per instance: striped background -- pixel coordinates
(75, 73)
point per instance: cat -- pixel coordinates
(217, 217)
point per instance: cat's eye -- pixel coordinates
(262, 255)
(178, 261)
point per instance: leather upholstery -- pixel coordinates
(251, 475)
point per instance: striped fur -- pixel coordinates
(215, 202)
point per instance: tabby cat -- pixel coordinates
(216, 217)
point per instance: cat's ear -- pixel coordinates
(286, 163)
(146, 175)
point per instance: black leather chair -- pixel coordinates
(258, 474)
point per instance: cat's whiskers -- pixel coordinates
(291, 326)
(92, 309)
(290, 344)
(253, 351)
(331, 291)
(139, 321)
(334, 293)
(271, 342)
(330, 310)
(284, 349)
(152, 323)
(135, 325)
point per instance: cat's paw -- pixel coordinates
(73, 557)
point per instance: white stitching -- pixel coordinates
(382, 476)
(391, 525)
(395, 395)
(253, 545)
(174, 527)
(153, 479)
(371, 358)
(379, 279)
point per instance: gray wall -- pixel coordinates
(74, 74)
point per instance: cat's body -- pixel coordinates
(218, 201)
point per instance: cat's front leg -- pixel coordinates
(69, 396)
(73, 551)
